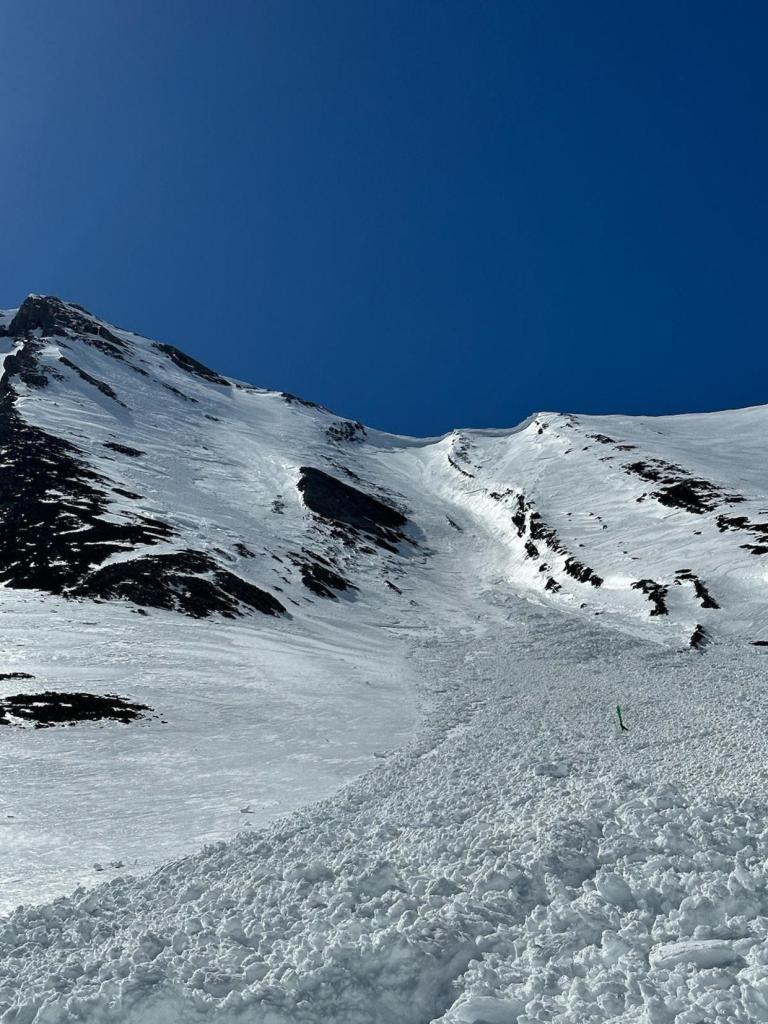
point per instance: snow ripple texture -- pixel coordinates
(509, 867)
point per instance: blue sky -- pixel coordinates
(422, 214)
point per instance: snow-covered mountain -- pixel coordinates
(132, 472)
(290, 600)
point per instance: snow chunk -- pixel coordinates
(485, 1010)
(702, 953)
(613, 889)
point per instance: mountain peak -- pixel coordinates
(134, 472)
(53, 316)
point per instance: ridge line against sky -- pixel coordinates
(502, 427)
(423, 216)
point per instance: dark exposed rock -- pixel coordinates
(696, 496)
(655, 470)
(187, 581)
(582, 572)
(24, 365)
(679, 489)
(518, 516)
(179, 394)
(60, 525)
(656, 594)
(733, 523)
(702, 591)
(50, 708)
(459, 469)
(604, 439)
(105, 389)
(343, 504)
(124, 449)
(52, 506)
(54, 534)
(243, 550)
(346, 430)
(552, 585)
(190, 365)
(530, 525)
(295, 400)
(539, 530)
(460, 453)
(16, 675)
(55, 318)
(758, 530)
(454, 525)
(318, 576)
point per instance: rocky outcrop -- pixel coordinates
(346, 431)
(318, 575)
(190, 365)
(53, 317)
(656, 594)
(351, 509)
(50, 708)
(58, 526)
(185, 581)
(679, 489)
(53, 528)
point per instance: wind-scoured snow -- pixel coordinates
(505, 855)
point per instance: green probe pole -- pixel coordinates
(621, 723)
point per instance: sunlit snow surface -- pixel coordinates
(498, 852)
(250, 722)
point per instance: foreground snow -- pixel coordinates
(249, 721)
(519, 861)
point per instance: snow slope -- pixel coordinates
(253, 723)
(517, 859)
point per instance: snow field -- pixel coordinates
(518, 862)
(250, 721)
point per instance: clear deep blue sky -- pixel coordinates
(422, 214)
